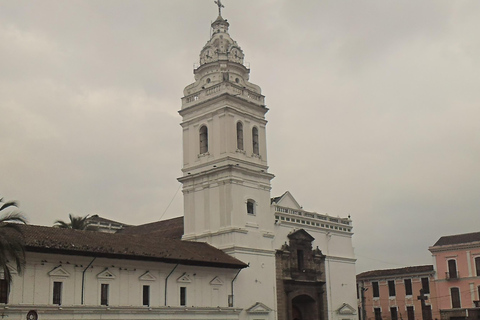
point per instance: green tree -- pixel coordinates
(76, 222)
(12, 246)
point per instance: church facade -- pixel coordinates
(242, 254)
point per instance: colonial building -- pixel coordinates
(394, 294)
(457, 278)
(236, 254)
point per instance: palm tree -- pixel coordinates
(12, 246)
(76, 222)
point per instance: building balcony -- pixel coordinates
(452, 275)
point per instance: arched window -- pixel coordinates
(255, 140)
(203, 139)
(250, 206)
(239, 136)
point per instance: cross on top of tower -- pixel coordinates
(220, 6)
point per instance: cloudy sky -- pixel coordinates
(374, 110)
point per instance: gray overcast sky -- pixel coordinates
(374, 110)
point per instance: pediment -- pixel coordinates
(216, 282)
(147, 276)
(58, 272)
(346, 309)
(259, 308)
(105, 274)
(300, 235)
(184, 279)
(287, 200)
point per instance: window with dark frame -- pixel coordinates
(455, 295)
(426, 286)
(146, 296)
(203, 140)
(391, 288)
(104, 294)
(239, 136)
(452, 269)
(3, 291)
(183, 296)
(410, 313)
(57, 292)
(375, 289)
(378, 313)
(408, 286)
(393, 313)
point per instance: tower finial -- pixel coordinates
(220, 6)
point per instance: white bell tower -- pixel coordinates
(226, 184)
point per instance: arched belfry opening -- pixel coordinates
(302, 294)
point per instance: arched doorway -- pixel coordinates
(304, 307)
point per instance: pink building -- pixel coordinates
(457, 277)
(393, 294)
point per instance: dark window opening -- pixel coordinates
(452, 269)
(408, 287)
(391, 288)
(375, 289)
(455, 294)
(57, 293)
(251, 207)
(427, 312)
(477, 266)
(378, 313)
(146, 295)
(3, 291)
(410, 313)
(255, 141)
(203, 140)
(425, 285)
(183, 296)
(393, 313)
(239, 136)
(104, 294)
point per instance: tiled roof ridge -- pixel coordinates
(458, 239)
(395, 271)
(124, 246)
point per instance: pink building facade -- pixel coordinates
(457, 275)
(392, 294)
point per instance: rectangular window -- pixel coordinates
(410, 313)
(455, 294)
(428, 313)
(104, 294)
(3, 291)
(452, 269)
(146, 296)
(375, 289)
(393, 313)
(391, 288)
(378, 313)
(425, 286)
(183, 296)
(477, 266)
(408, 287)
(57, 293)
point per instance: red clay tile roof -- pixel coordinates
(395, 272)
(125, 246)
(171, 229)
(458, 239)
